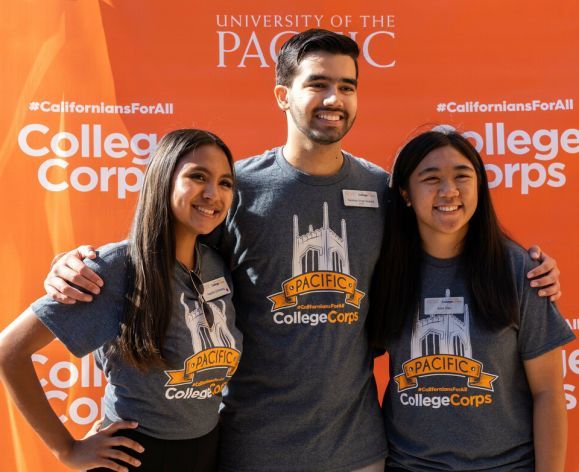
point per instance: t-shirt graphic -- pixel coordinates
(458, 397)
(440, 345)
(215, 354)
(320, 263)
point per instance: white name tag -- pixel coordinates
(444, 306)
(215, 288)
(360, 198)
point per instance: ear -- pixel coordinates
(406, 196)
(281, 96)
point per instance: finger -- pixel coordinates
(56, 258)
(114, 427)
(548, 291)
(556, 297)
(546, 266)
(56, 295)
(535, 252)
(545, 281)
(126, 442)
(83, 270)
(109, 464)
(61, 286)
(122, 456)
(76, 276)
(86, 251)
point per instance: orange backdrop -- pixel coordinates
(88, 87)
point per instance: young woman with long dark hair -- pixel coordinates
(162, 329)
(475, 364)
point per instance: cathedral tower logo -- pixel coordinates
(320, 263)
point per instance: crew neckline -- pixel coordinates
(437, 262)
(309, 179)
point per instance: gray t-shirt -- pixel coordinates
(458, 397)
(182, 400)
(304, 397)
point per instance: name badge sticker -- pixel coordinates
(360, 198)
(444, 306)
(215, 288)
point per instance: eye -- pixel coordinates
(348, 88)
(463, 177)
(226, 183)
(198, 176)
(317, 85)
(430, 179)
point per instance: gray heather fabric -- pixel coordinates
(304, 397)
(458, 397)
(182, 401)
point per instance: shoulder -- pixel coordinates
(113, 251)
(519, 257)
(110, 257)
(255, 174)
(368, 169)
(248, 166)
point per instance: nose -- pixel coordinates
(448, 189)
(210, 191)
(332, 97)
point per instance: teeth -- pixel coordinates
(205, 211)
(330, 116)
(447, 208)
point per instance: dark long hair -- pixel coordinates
(151, 253)
(396, 284)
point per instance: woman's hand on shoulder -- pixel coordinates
(97, 448)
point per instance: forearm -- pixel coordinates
(22, 383)
(550, 431)
(22, 338)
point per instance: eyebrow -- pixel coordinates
(347, 80)
(207, 171)
(462, 167)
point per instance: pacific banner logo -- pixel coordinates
(320, 263)
(216, 357)
(441, 345)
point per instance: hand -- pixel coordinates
(96, 449)
(70, 268)
(548, 274)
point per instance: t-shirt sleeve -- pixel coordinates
(542, 328)
(84, 327)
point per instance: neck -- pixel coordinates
(185, 249)
(313, 158)
(442, 246)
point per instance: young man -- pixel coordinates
(302, 240)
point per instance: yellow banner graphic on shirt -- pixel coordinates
(320, 281)
(204, 360)
(444, 364)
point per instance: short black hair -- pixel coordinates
(297, 47)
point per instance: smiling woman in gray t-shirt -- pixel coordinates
(163, 328)
(475, 364)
